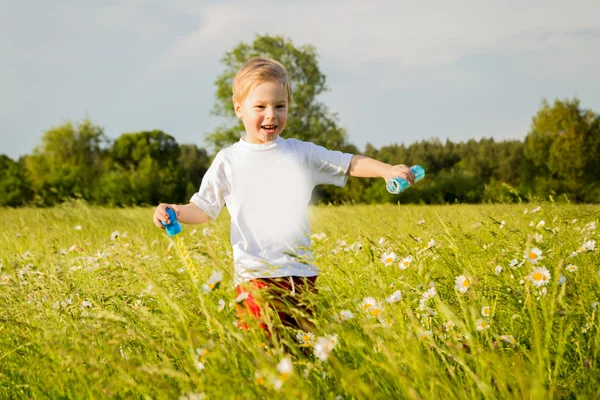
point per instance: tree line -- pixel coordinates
(559, 155)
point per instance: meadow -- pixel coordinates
(418, 302)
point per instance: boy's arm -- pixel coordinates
(187, 214)
(366, 167)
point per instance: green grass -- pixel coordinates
(87, 315)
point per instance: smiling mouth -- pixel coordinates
(269, 128)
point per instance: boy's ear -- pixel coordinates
(237, 107)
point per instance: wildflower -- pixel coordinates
(571, 268)
(305, 338)
(114, 235)
(562, 279)
(536, 209)
(405, 263)
(324, 346)
(193, 232)
(381, 240)
(376, 309)
(377, 346)
(540, 276)
(207, 232)
(514, 263)
(538, 238)
(534, 255)
(388, 258)
(214, 280)
(77, 228)
(429, 293)
(367, 303)
(448, 325)
(498, 269)
(540, 224)
(508, 339)
(395, 297)
(502, 224)
(345, 315)
(221, 305)
(462, 283)
(241, 297)
(424, 335)
(430, 244)
(485, 311)
(319, 236)
(4, 279)
(421, 222)
(590, 245)
(85, 304)
(482, 325)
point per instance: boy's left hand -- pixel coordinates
(401, 171)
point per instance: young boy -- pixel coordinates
(266, 183)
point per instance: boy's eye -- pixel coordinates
(261, 107)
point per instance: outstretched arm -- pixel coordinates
(187, 214)
(366, 167)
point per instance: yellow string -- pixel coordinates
(186, 257)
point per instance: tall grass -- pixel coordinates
(98, 303)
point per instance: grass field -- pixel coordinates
(469, 302)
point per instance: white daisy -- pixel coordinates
(502, 224)
(482, 325)
(448, 325)
(534, 255)
(305, 338)
(345, 315)
(590, 245)
(540, 224)
(571, 268)
(405, 262)
(368, 303)
(78, 228)
(498, 269)
(388, 258)
(395, 297)
(324, 346)
(285, 368)
(114, 235)
(540, 276)
(486, 311)
(421, 222)
(462, 283)
(430, 244)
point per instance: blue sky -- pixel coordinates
(398, 71)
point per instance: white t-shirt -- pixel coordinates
(267, 188)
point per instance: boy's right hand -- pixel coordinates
(160, 214)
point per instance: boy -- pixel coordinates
(266, 182)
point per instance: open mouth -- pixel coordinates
(269, 129)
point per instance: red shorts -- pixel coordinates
(289, 298)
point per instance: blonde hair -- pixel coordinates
(259, 70)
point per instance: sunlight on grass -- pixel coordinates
(490, 301)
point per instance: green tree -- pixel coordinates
(15, 188)
(67, 163)
(309, 119)
(195, 162)
(143, 169)
(563, 146)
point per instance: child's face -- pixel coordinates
(263, 112)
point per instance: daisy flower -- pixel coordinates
(4, 279)
(395, 297)
(319, 236)
(534, 255)
(78, 228)
(345, 315)
(424, 335)
(285, 368)
(514, 263)
(498, 269)
(485, 311)
(405, 262)
(114, 235)
(536, 209)
(540, 224)
(462, 283)
(571, 268)
(430, 244)
(482, 325)
(305, 338)
(421, 222)
(367, 303)
(324, 346)
(590, 245)
(507, 339)
(540, 276)
(502, 224)
(448, 325)
(388, 258)
(429, 293)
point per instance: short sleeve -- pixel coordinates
(211, 196)
(328, 166)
